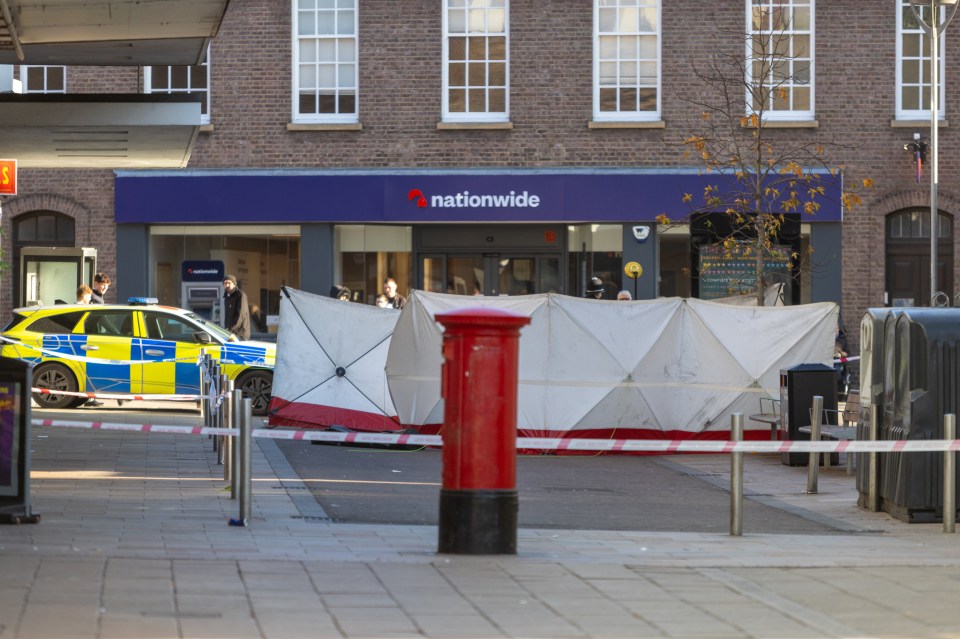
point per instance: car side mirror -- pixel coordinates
(202, 337)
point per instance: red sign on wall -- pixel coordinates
(8, 177)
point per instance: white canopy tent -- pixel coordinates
(330, 363)
(664, 368)
(668, 368)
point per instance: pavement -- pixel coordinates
(134, 544)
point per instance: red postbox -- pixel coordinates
(478, 500)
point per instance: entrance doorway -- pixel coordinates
(490, 274)
(52, 275)
(908, 257)
(488, 259)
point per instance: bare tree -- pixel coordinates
(763, 174)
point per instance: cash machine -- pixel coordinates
(202, 288)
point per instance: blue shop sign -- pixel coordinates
(410, 196)
(202, 271)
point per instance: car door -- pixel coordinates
(108, 344)
(170, 353)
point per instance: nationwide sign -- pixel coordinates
(8, 177)
(404, 196)
(466, 199)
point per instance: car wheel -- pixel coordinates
(258, 386)
(55, 377)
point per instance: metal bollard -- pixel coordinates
(236, 400)
(214, 403)
(222, 422)
(246, 457)
(227, 410)
(873, 469)
(204, 388)
(736, 477)
(949, 476)
(813, 467)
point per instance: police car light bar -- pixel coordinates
(142, 301)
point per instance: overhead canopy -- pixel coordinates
(108, 32)
(98, 131)
(102, 131)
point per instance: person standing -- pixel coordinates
(394, 299)
(594, 288)
(84, 293)
(236, 311)
(101, 282)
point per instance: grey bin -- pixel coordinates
(921, 383)
(798, 386)
(871, 387)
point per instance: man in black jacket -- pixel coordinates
(236, 311)
(101, 282)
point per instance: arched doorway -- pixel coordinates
(908, 257)
(44, 258)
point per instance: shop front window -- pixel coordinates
(366, 254)
(595, 250)
(263, 258)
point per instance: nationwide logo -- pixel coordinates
(466, 199)
(202, 271)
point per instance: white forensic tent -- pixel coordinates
(330, 363)
(661, 368)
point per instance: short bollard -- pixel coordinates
(215, 403)
(736, 477)
(873, 470)
(228, 441)
(478, 500)
(949, 476)
(814, 466)
(223, 423)
(236, 399)
(245, 458)
(204, 388)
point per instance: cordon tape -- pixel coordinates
(542, 443)
(156, 396)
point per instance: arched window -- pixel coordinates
(914, 224)
(43, 228)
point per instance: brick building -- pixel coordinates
(495, 146)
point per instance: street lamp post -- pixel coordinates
(939, 20)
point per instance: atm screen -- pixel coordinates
(203, 294)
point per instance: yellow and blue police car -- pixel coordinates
(138, 349)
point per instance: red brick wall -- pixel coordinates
(551, 103)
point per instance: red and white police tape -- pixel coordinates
(156, 396)
(543, 443)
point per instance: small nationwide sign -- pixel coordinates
(8, 177)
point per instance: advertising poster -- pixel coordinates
(9, 441)
(725, 272)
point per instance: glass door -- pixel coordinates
(491, 274)
(52, 275)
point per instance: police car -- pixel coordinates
(139, 348)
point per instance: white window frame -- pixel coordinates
(901, 113)
(148, 85)
(784, 114)
(627, 116)
(296, 43)
(24, 69)
(474, 116)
